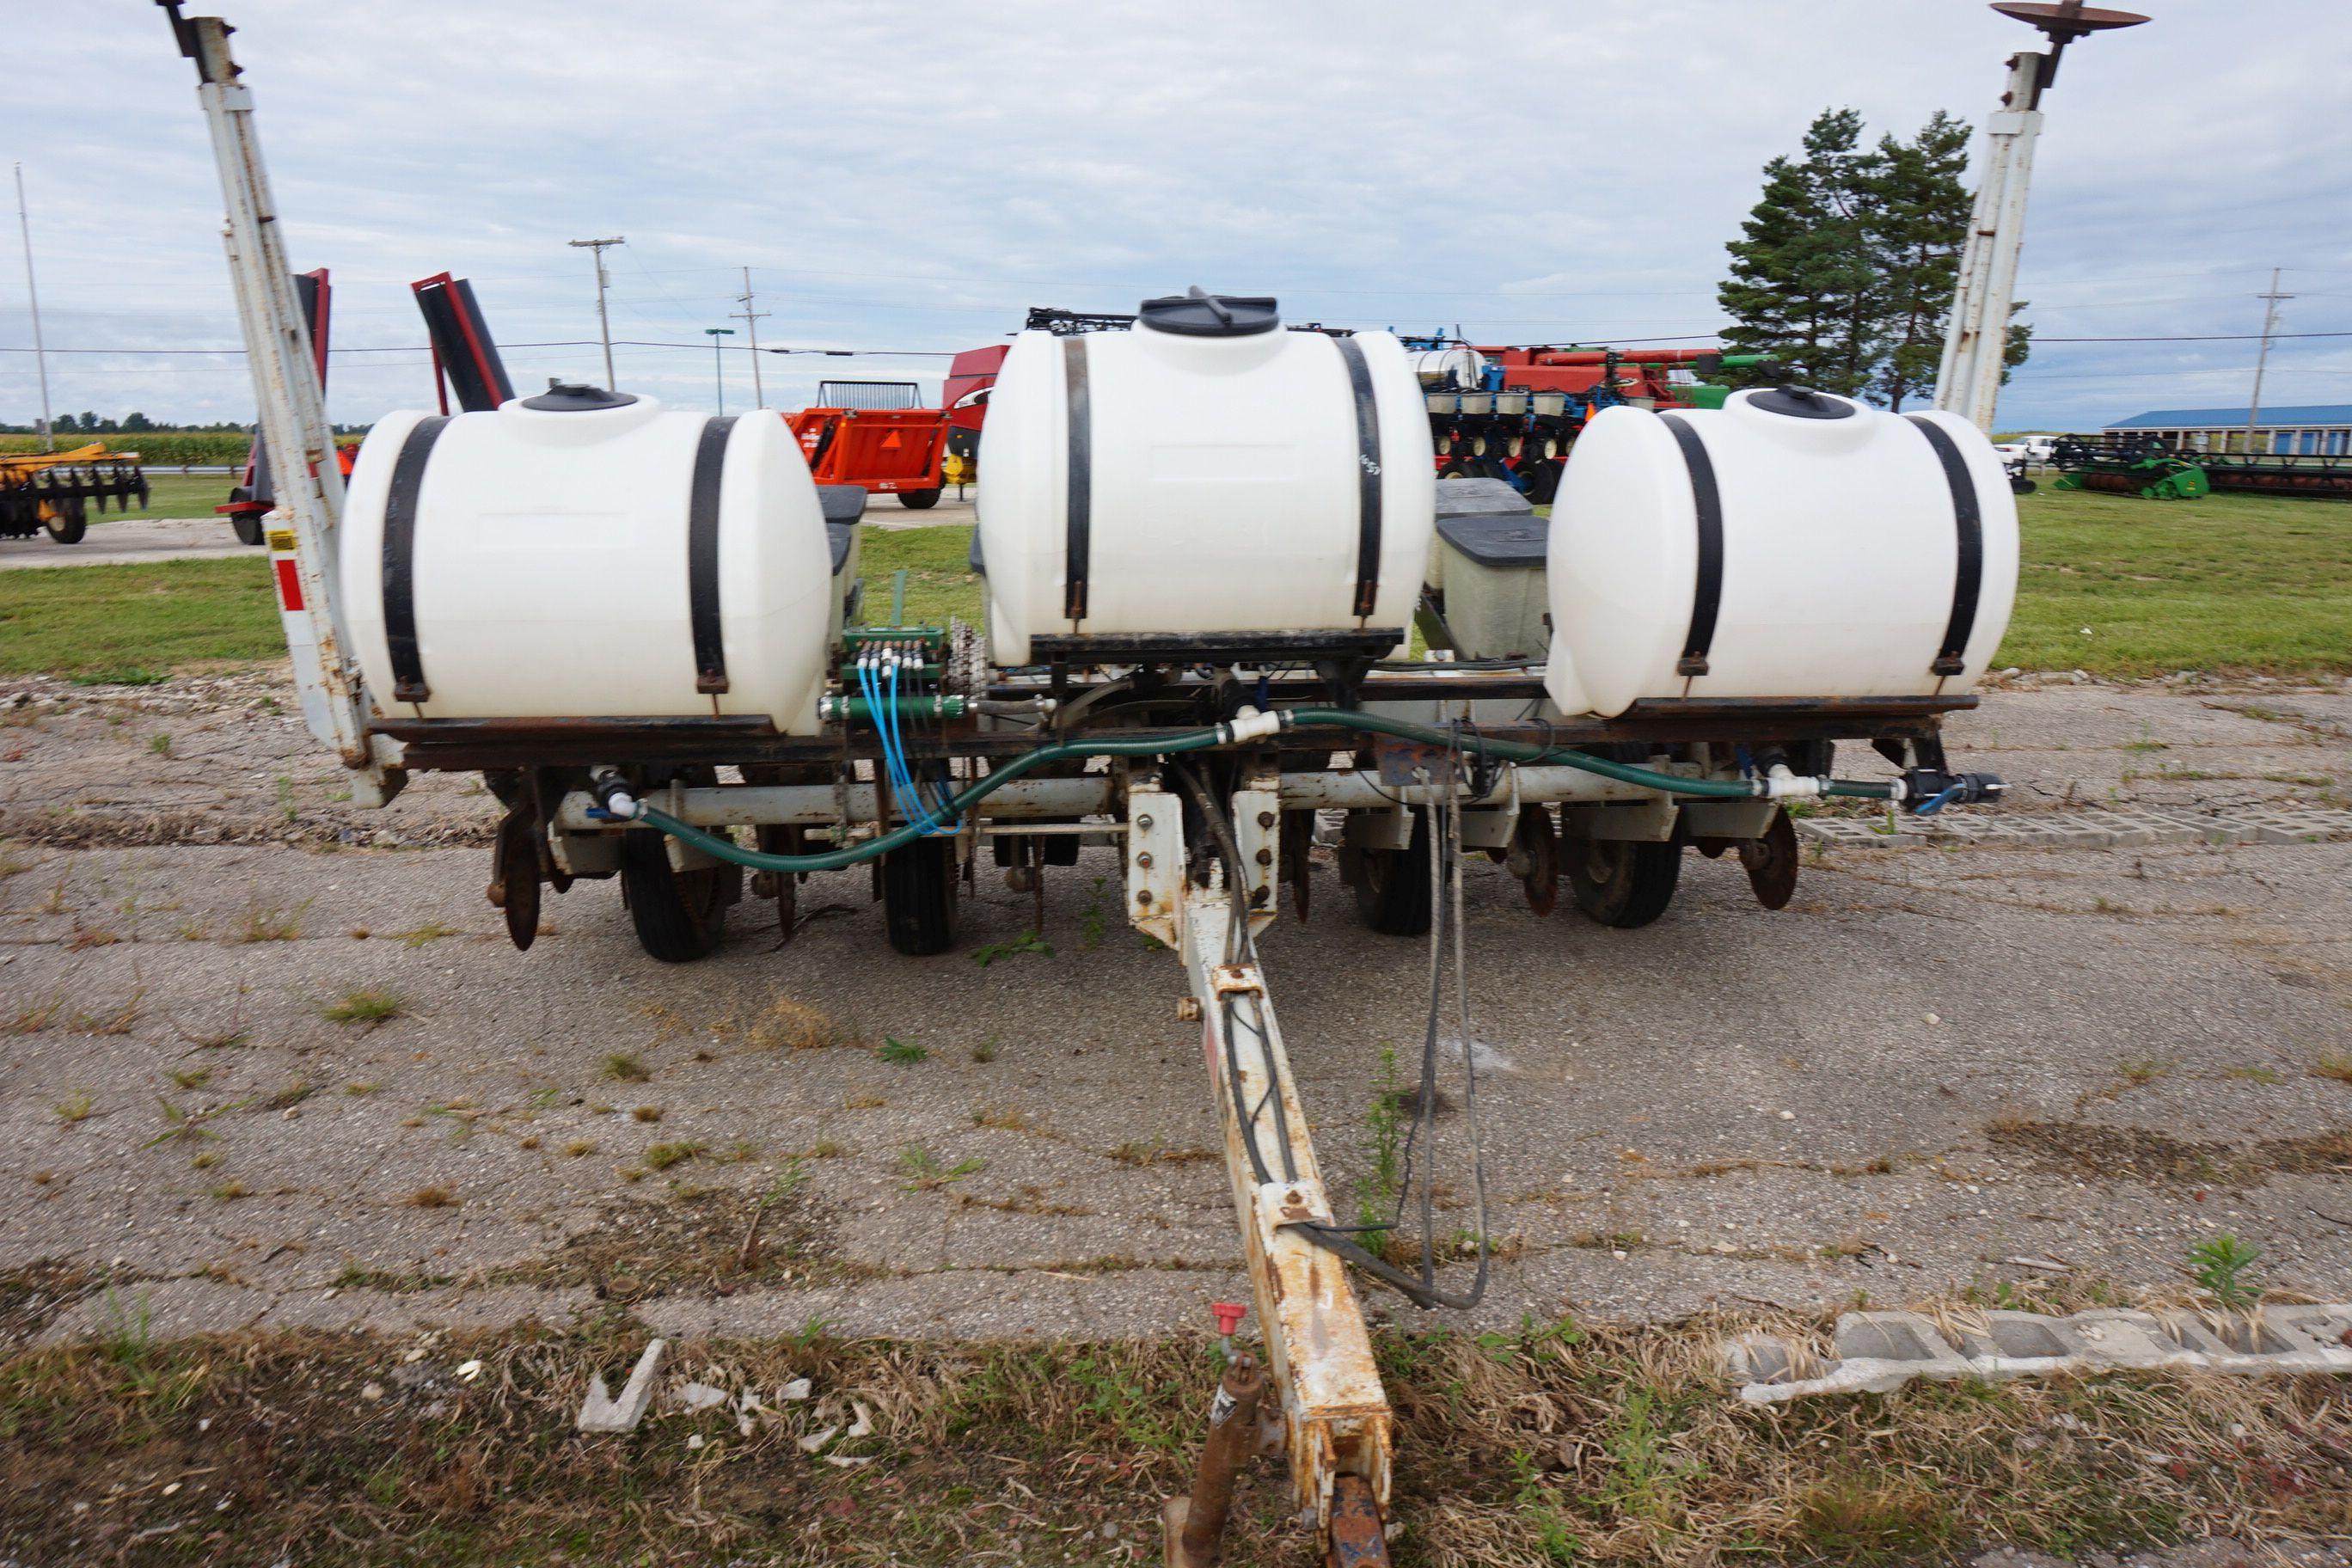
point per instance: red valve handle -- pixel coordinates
(1229, 1315)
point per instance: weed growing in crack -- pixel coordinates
(2220, 1265)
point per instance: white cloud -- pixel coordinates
(912, 176)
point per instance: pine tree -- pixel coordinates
(1801, 285)
(1845, 268)
(1919, 223)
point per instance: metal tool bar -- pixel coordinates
(744, 806)
(1363, 791)
(473, 745)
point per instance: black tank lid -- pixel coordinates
(1801, 403)
(1196, 313)
(564, 398)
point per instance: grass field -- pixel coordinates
(1559, 1445)
(2232, 584)
(137, 623)
(2235, 583)
(179, 495)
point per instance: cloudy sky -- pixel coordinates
(909, 177)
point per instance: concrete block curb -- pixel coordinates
(2093, 828)
(1878, 1352)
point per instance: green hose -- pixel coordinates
(724, 848)
(720, 847)
(1517, 751)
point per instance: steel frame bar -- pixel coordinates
(1093, 795)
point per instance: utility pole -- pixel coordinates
(32, 298)
(603, 322)
(1975, 346)
(718, 377)
(750, 319)
(2263, 359)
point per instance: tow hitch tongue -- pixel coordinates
(1318, 1390)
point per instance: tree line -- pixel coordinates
(88, 423)
(1845, 267)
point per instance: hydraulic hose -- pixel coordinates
(1249, 726)
(722, 848)
(1520, 752)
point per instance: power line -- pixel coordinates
(2039, 340)
(603, 322)
(550, 344)
(2261, 361)
(750, 319)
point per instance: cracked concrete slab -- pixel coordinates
(1932, 1062)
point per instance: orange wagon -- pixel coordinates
(884, 452)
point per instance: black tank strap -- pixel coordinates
(400, 559)
(1081, 465)
(702, 556)
(1968, 573)
(1707, 593)
(1368, 474)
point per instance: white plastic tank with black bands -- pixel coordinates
(1207, 480)
(1790, 545)
(586, 554)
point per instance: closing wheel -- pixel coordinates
(1772, 862)
(70, 523)
(517, 870)
(1393, 885)
(1534, 858)
(247, 525)
(782, 886)
(1620, 883)
(918, 896)
(680, 916)
(919, 500)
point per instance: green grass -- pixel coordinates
(113, 622)
(2239, 584)
(939, 579)
(2231, 583)
(179, 495)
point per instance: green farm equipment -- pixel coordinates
(2116, 467)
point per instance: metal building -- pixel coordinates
(2309, 430)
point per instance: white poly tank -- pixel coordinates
(585, 553)
(1458, 368)
(1791, 544)
(1205, 488)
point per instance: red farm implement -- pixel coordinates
(882, 451)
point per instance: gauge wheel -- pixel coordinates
(919, 500)
(1621, 883)
(679, 916)
(918, 896)
(1393, 885)
(70, 523)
